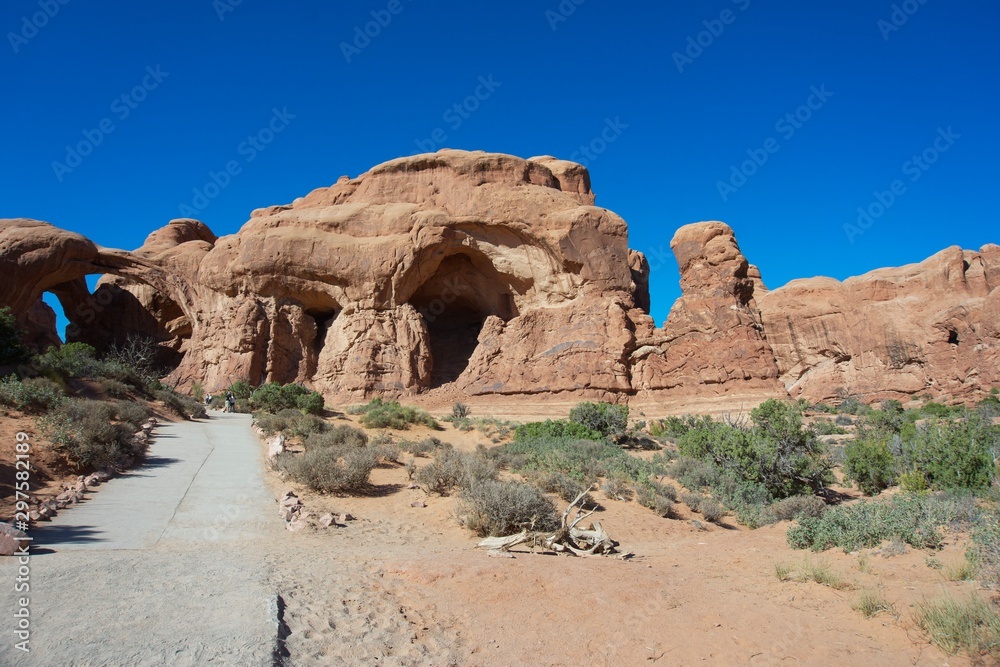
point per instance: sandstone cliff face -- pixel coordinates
(927, 327)
(468, 273)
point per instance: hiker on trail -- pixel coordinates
(230, 402)
(208, 400)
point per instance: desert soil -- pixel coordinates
(123, 581)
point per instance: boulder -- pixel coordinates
(12, 540)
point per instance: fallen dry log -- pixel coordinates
(567, 539)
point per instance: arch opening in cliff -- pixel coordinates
(454, 303)
(122, 314)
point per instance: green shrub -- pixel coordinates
(954, 454)
(843, 420)
(133, 414)
(241, 389)
(582, 460)
(390, 414)
(34, 394)
(852, 406)
(871, 603)
(341, 435)
(497, 508)
(85, 432)
(777, 453)
(955, 625)
(711, 510)
(611, 421)
(985, 549)
(827, 427)
(555, 429)
(460, 411)
(674, 427)
(870, 464)
(422, 448)
(311, 403)
(12, 351)
(915, 520)
(72, 360)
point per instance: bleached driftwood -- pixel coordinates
(567, 539)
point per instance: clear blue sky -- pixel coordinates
(894, 85)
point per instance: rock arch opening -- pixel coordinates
(454, 302)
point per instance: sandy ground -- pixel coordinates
(201, 572)
(405, 585)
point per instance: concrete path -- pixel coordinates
(162, 566)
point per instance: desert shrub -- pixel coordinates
(843, 420)
(564, 486)
(72, 360)
(869, 463)
(989, 407)
(422, 448)
(617, 488)
(660, 504)
(497, 429)
(12, 351)
(693, 501)
(311, 403)
(183, 406)
(496, 508)
(274, 397)
(777, 453)
(114, 388)
(453, 469)
(133, 414)
(583, 460)
(797, 507)
(33, 394)
(85, 432)
(915, 520)
(390, 414)
(694, 473)
(871, 603)
(932, 410)
(330, 469)
(711, 510)
(852, 406)
(823, 407)
(460, 411)
(305, 425)
(611, 421)
(341, 435)
(555, 429)
(955, 625)
(955, 454)
(827, 427)
(985, 551)
(241, 389)
(822, 574)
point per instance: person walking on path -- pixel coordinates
(230, 402)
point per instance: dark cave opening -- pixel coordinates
(454, 303)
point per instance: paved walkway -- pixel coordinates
(162, 566)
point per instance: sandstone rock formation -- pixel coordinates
(468, 273)
(932, 327)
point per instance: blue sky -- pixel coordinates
(699, 94)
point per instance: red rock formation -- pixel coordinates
(929, 327)
(467, 273)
